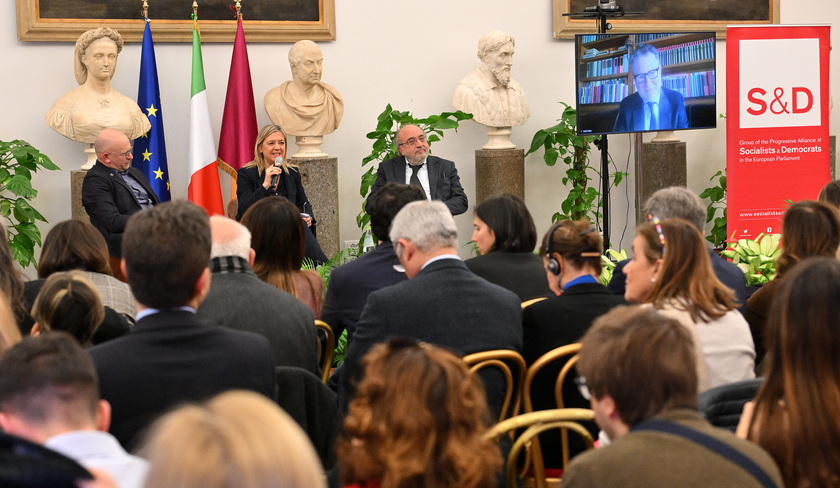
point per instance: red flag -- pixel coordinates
(239, 122)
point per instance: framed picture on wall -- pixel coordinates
(263, 20)
(667, 15)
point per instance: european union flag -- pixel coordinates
(150, 148)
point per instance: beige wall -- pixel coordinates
(411, 55)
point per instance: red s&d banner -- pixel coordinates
(776, 123)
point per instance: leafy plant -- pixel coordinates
(608, 261)
(756, 258)
(18, 160)
(340, 349)
(388, 123)
(561, 142)
(717, 201)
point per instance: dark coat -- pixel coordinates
(520, 272)
(444, 183)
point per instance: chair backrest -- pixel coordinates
(535, 423)
(722, 405)
(532, 301)
(233, 208)
(512, 366)
(326, 349)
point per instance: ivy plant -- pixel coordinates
(562, 143)
(18, 160)
(384, 147)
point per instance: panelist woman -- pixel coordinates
(254, 181)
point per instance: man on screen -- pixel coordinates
(652, 107)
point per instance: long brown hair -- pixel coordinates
(686, 276)
(809, 229)
(796, 413)
(417, 421)
(74, 244)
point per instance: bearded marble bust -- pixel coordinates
(305, 106)
(83, 112)
(489, 93)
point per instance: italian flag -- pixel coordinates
(205, 189)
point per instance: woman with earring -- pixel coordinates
(571, 252)
(671, 271)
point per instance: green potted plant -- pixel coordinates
(716, 194)
(756, 258)
(561, 143)
(18, 160)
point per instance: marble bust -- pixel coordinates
(83, 112)
(489, 93)
(305, 106)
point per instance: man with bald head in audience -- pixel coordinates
(113, 191)
(240, 300)
(172, 355)
(442, 302)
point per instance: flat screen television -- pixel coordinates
(676, 68)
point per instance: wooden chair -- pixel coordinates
(535, 423)
(532, 301)
(512, 365)
(325, 350)
(233, 208)
(569, 353)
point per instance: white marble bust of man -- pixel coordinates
(305, 106)
(488, 92)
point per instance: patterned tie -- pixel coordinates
(414, 180)
(654, 123)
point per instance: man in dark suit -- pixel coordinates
(443, 302)
(172, 356)
(113, 191)
(240, 300)
(682, 203)
(652, 107)
(414, 166)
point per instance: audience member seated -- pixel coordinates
(69, 302)
(351, 283)
(571, 251)
(11, 284)
(77, 245)
(173, 356)
(670, 269)
(442, 302)
(809, 229)
(277, 238)
(637, 367)
(794, 416)
(417, 419)
(265, 176)
(49, 394)
(240, 300)
(830, 194)
(237, 439)
(505, 236)
(9, 332)
(681, 203)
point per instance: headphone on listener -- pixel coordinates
(553, 265)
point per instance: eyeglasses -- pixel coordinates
(583, 388)
(127, 153)
(413, 141)
(658, 225)
(652, 74)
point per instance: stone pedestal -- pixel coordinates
(662, 164)
(499, 171)
(309, 147)
(320, 179)
(77, 211)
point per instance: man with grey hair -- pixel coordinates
(238, 299)
(442, 303)
(305, 106)
(682, 203)
(488, 92)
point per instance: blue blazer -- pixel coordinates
(631, 112)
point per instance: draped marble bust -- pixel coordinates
(305, 106)
(83, 112)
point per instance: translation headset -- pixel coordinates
(553, 265)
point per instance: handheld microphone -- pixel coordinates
(278, 161)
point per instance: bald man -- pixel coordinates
(113, 191)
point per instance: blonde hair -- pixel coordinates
(237, 438)
(259, 160)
